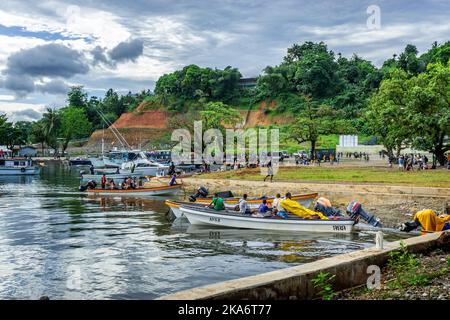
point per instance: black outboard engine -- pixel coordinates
(355, 211)
(201, 192)
(90, 185)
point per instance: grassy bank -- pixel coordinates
(431, 178)
(409, 277)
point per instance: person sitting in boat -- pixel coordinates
(429, 221)
(243, 205)
(173, 180)
(296, 208)
(103, 181)
(130, 184)
(123, 185)
(91, 169)
(140, 183)
(324, 206)
(277, 208)
(112, 184)
(217, 203)
(91, 184)
(262, 210)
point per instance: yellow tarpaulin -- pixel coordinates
(299, 210)
(430, 221)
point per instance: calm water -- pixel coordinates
(57, 242)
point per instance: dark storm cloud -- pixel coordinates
(20, 84)
(99, 56)
(54, 87)
(127, 51)
(50, 60)
(27, 114)
(55, 61)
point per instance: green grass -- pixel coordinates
(327, 173)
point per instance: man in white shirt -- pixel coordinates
(276, 204)
(243, 205)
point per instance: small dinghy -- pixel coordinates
(205, 216)
(145, 191)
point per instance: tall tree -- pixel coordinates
(38, 133)
(51, 122)
(429, 110)
(74, 124)
(313, 121)
(388, 114)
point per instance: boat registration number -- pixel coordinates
(214, 219)
(339, 228)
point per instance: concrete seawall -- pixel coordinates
(295, 282)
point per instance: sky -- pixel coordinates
(48, 46)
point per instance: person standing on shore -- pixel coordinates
(269, 171)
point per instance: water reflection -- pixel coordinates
(127, 248)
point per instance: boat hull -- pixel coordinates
(198, 216)
(156, 191)
(13, 171)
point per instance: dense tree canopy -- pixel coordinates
(196, 83)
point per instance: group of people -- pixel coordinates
(409, 161)
(280, 207)
(126, 184)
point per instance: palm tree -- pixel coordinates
(38, 132)
(51, 122)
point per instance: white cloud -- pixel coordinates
(6, 97)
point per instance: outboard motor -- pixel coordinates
(355, 211)
(201, 192)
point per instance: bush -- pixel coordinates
(323, 282)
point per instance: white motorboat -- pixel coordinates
(145, 167)
(230, 203)
(206, 216)
(18, 166)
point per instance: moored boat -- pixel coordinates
(18, 166)
(230, 203)
(206, 216)
(146, 191)
(115, 176)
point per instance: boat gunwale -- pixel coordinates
(134, 190)
(269, 199)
